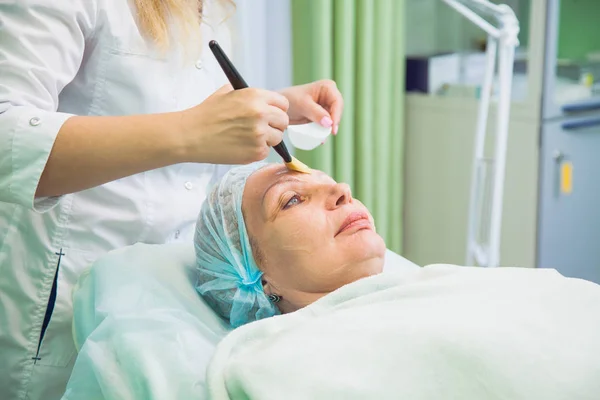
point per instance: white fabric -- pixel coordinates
(440, 332)
(141, 328)
(83, 57)
(138, 305)
(395, 262)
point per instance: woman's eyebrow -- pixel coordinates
(283, 179)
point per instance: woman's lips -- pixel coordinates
(354, 220)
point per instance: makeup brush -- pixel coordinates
(238, 82)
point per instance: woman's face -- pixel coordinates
(312, 236)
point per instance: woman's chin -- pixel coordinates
(365, 244)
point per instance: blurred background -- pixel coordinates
(405, 144)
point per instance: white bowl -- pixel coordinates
(307, 136)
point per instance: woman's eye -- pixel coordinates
(292, 202)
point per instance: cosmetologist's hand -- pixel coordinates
(319, 102)
(234, 126)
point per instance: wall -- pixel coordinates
(578, 30)
(262, 42)
(434, 27)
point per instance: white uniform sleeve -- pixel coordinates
(41, 49)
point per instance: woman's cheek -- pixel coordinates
(303, 233)
(297, 240)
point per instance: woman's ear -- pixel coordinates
(271, 292)
(270, 287)
(267, 287)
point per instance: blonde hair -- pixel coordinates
(154, 17)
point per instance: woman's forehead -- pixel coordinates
(273, 172)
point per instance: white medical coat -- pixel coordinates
(80, 57)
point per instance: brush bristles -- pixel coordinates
(296, 165)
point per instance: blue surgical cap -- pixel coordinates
(229, 279)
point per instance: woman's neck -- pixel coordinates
(299, 300)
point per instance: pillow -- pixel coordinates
(137, 278)
(140, 327)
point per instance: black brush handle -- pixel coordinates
(235, 78)
(238, 82)
(283, 152)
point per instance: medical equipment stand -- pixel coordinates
(502, 40)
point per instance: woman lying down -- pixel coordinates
(271, 242)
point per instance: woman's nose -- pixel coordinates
(339, 196)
